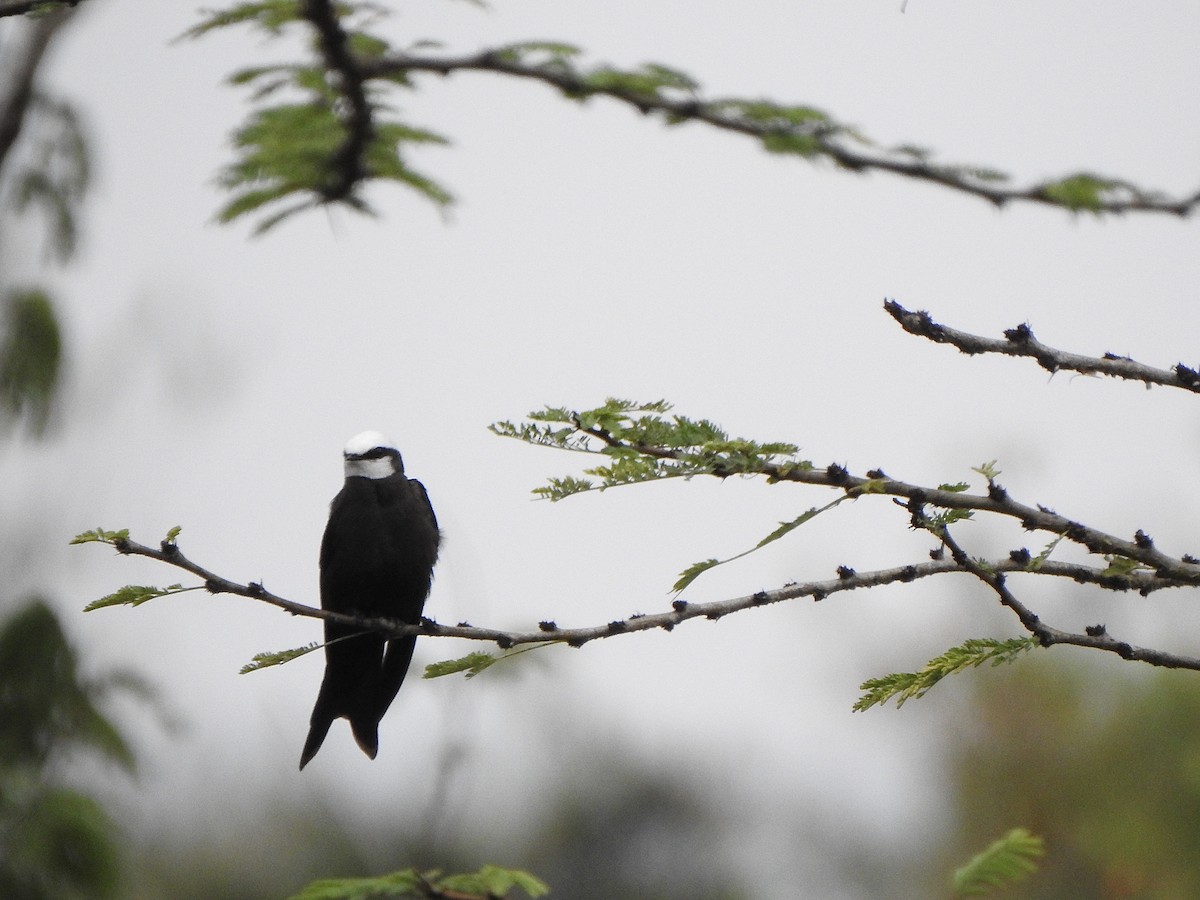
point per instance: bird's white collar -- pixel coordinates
(370, 468)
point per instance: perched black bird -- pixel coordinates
(377, 559)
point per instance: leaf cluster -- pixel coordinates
(330, 135)
(643, 444)
(489, 883)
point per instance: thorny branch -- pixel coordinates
(1019, 341)
(847, 579)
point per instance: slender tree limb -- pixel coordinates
(1019, 341)
(548, 632)
(824, 143)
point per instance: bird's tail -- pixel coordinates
(316, 736)
(366, 733)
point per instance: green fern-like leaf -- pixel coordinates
(787, 527)
(904, 686)
(1007, 860)
(276, 658)
(471, 665)
(135, 595)
(561, 488)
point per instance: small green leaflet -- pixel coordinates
(135, 595)
(276, 658)
(692, 572)
(1036, 562)
(1120, 566)
(174, 533)
(471, 664)
(1006, 860)
(1080, 192)
(988, 470)
(102, 536)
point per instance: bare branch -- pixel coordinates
(1020, 341)
(823, 143)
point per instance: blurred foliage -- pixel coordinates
(1103, 764)
(489, 883)
(636, 832)
(1003, 862)
(30, 357)
(616, 828)
(52, 172)
(47, 176)
(56, 843)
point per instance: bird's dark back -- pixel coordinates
(379, 548)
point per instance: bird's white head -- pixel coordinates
(371, 455)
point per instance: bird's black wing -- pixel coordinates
(417, 533)
(354, 553)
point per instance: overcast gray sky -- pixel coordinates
(214, 379)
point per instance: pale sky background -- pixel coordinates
(214, 379)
